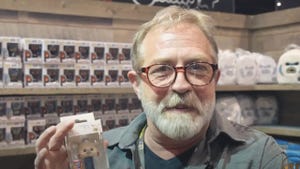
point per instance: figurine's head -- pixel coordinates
(87, 149)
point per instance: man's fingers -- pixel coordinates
(40, 158)
(44, 138)
(62, 130)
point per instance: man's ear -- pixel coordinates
(133, 78)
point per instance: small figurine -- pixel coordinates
(87, 150)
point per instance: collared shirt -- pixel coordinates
(227, 145)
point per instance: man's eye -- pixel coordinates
(161, 69)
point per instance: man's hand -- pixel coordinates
(50, 149)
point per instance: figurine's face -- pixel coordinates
(289, 66)
(87, 149)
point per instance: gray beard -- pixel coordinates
(179, 126)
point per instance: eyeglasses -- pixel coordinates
(196, 73)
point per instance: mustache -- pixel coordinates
(176, 99)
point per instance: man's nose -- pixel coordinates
(181, 84)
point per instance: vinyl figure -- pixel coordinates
(87, 150)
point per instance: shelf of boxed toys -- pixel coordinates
(64, 91)
(124, 90)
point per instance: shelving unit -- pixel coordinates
(282, 129)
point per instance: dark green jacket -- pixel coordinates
(227, 146)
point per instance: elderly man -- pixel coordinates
(174, 75)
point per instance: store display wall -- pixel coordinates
(93, 20)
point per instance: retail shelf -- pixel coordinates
(290, 131)
(17, 150)
(260, 87)
(116, 90)
(63, 91)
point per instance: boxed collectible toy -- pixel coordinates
(83, 52)
(3, 134)
(52, 51)
(15, 107)
(68, 51)
(82, 104)
(112, 75)
(33, 50)
(112, 51)
(35, 127)
(83, 75)
(98, 53)
(123, 78)
(33, 75)
(13, 74)
(15, 131)
(51, 75)
(65, 105)
(125, 53)
(84, 143)
(97, 75)
(67, 75)
(11, 49)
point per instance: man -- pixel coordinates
(174, 75)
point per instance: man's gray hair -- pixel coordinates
(168, 17)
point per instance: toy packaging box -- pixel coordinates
(111, 75)
(125, 53)
(112, 52)
(68, 51)
(83, 75)
(33, 50)
(67, 75)
(84, 143)
(51, 75)
(97, 75)
(35, 127)
(98, 53)
(13, 74)
(33, 75)
(52, 51)
(65, 105)
(11, 49)
(83, 52)
(15, 131)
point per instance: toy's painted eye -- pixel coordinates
(92, 149)
(84, 150)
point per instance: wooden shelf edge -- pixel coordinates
(289, 131)
(58, 91)
(17, 150)
(259, 87)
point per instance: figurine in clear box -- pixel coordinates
(86, 151)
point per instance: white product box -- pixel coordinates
(68, 51)
(11, 49)
(112, 52)
(13, 74)
(83, 75)
(67, 75)
(33, 50)
(112, 75)
(84, 143)
(15, 107)
(97, 75)
(53, 51)
(15, 131)
(65, 105)
(125, 53)
(98, 53)
(83, 52)
(33, 75)
(35, 127)
(51, 75)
